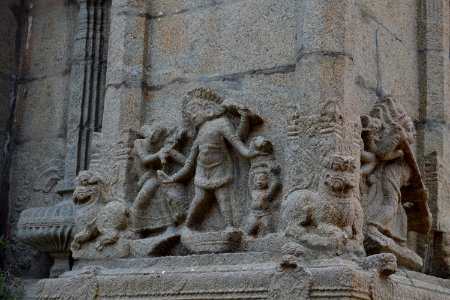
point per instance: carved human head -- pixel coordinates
(261, 179)
(87, 185)
(392, 114)
(154, 133)
(203, 105)
(262, 145)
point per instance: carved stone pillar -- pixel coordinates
(123, 98)
(87, 83)
(325, 81)
(49, 229)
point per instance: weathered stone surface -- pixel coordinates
(241, 277)
(226, 38)
(48, 39)
(228, 149)
(36, 119)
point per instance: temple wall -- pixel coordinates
(82, 78)
(40, 118)
(8, 42)
(386, 56)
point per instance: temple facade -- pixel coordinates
(225, 149)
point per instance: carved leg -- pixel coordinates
(223, 197)
(265, 225)
(252, 224)
(195, 209)
(143, 199)
(175, 197)
(84, 236)
(108, 237)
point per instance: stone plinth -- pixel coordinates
(237, 276)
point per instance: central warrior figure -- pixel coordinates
(209, 156)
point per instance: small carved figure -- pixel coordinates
(156, 150)
(210, 158)
(263, 184)
(331, 218)
(389, 173)
(96, 216)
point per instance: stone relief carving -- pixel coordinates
(156, 150)
(263, 184)
(322, 219)
(159, 215)
(329, 222)
(210, 162)
(394, 197)
(37, 188)
(98, 217)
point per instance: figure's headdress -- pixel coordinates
(204, 94)
(205, 98)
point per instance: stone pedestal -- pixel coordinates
(251, 275)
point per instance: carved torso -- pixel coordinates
(213, 161)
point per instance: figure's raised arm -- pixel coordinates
(231, 136)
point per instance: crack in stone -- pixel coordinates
(149, 16)
(234, 77)
(379, 88)
(302, 54)
(29, 79)
(370, 18)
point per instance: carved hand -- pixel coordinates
(243, 111)
(163, 155)
(253, 153)
(163, 177)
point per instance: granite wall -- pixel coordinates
(37, 148)
(273, 56)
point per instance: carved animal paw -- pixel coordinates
(76, 245)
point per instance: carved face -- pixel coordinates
(261, 180)
(201, 110)
(158, 134)
(87, 186)
(340, 177)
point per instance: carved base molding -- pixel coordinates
(237, 276)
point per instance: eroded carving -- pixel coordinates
(99, 218)
(209, 159)
(331, 219)
(157, 151)
(393, 194)
(263, 184)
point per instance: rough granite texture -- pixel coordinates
(276, 113)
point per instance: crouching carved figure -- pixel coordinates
(394, 197)
(97, 217)
(329, 222)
